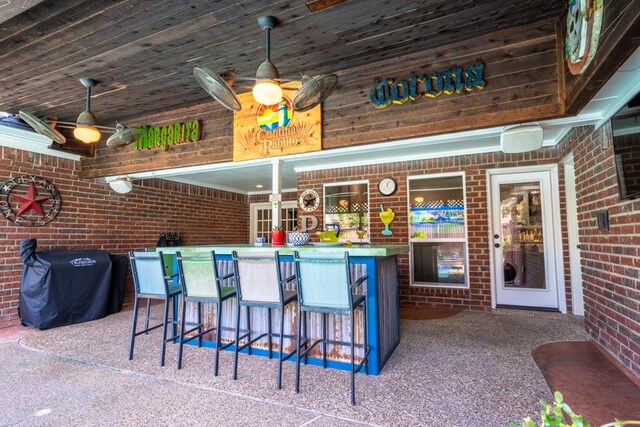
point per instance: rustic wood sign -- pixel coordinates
(166, 136)
(261, 131)
(431, 85)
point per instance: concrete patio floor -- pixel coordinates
(471, 369)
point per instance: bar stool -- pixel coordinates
(151, 282)
(259, 283)
(325, 286)
(201, 283)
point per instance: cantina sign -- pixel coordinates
(261, 131)
(431, 85)
(166, 136)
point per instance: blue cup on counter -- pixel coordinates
(261, 241)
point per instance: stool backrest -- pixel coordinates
(258, 277)
(198, 275)
(323, 281)
(148, 273)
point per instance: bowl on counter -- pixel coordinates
(297, 238)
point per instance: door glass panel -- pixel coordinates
(263, 223)
(522, 235)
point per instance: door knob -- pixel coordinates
(497, 245)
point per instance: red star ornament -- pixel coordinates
(32, 202)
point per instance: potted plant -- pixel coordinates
(277, 236)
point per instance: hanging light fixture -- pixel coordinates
(267, 89)
(85, 129)
(121, 185)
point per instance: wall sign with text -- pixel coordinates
(430, 85)
(165, 136)
(29, 201)
(261, 131)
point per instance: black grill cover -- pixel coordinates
(62, 287)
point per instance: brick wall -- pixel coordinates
(478, 295)
(610, 258)
(95, 217)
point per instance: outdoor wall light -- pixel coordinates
(121, 185)
(521, 138)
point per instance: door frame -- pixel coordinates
(556, 232)
(573, 236)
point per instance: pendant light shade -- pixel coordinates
(267, 90)
(85, 130)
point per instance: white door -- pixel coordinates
(261, 218)
(524, 259)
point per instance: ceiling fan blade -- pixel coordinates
(217, 87)
(314, 92)
(42, 128)
(123, 136)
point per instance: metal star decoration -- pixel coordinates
(32, 202)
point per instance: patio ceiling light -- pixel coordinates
(121, 185)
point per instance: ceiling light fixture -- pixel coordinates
(259, 186)
(419, 199)
(85, 130)
(267, 89)
(121, 185)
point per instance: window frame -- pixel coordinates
(464, 240)
(324, 205)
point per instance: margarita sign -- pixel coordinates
(274, 130)
(166, 136)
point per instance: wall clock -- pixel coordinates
(387, 186)
(309, 200)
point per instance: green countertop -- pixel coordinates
(355, 250)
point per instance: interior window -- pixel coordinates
(347, 205)
(437, 230)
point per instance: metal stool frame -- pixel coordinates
(354, 301)
(144, 290)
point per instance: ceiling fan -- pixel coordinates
(267, 89)
(85, 128)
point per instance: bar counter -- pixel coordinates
(379, 262)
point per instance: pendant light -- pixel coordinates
(85, 129)
(267, 90)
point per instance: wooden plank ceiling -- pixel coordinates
(143, 52)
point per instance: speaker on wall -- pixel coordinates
(522, 138)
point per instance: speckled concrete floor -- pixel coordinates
(472, 369)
